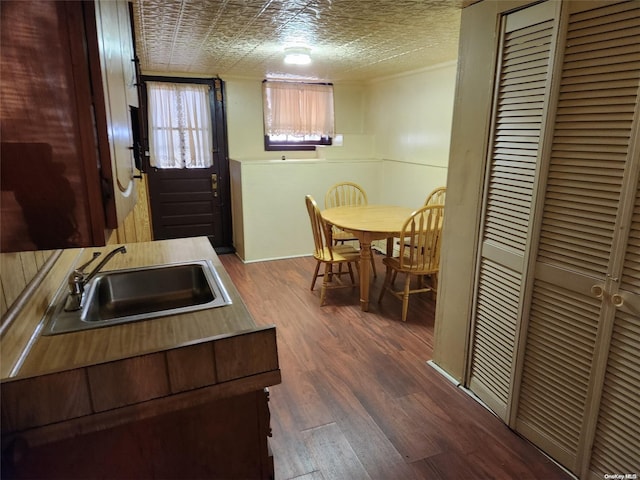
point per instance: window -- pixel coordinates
(180, 133)
(297, 116)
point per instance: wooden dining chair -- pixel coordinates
(346, 193)
(329, 254)
(437, 196)
(419, 255)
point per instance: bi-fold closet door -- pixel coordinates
(556, 336)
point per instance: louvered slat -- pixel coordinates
(496, 308)
(556, 356)
(617, 442)
(630, 280)
(592, 70)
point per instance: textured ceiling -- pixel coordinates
(350, 40)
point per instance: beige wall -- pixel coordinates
(409, 116)
(245, 132)
(396, 134)
(405, 119)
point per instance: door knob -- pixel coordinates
(617, 300)
(597, 291)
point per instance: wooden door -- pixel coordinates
(193, 202)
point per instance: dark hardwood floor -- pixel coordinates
(358, 399)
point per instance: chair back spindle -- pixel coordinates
(345, 193)
(422, 232)
(436, 197)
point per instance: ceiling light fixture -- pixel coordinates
(297, 55)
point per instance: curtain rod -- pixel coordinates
(293, 81)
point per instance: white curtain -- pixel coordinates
(298, 109)
(179, 125)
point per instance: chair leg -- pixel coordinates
(315, 275)
(393, 278)
(434, 285)
(339, 242)
(405, 298)
(325, 281)
(373, 265)
(350, 267)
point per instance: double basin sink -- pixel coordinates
(121, 296)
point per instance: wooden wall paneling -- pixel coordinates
(16, 338)
(3, 301)
(41, 257)
(142, 213)
(13, 280)
(137, 225)
(29, 266)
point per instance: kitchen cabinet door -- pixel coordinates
(51, 196)
(66, 162)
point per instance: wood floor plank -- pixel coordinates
(332, 450)
(358, 399)
(299, 391)
(364, 435)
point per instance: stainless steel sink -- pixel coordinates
(121, 296)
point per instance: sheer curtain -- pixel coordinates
(180, 133)
(298, 109)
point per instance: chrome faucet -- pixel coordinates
(78, 279)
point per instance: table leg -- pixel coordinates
(365, 269)
(390, 247)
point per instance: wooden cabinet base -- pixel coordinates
(223, 439)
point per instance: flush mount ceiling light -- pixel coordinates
(297, 55)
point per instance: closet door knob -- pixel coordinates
(617, 299)
(597, 291)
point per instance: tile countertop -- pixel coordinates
(61, 386)
(25, 353)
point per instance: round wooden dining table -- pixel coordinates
(368, 223)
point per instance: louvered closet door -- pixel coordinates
(522, 90)
(592, 179)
